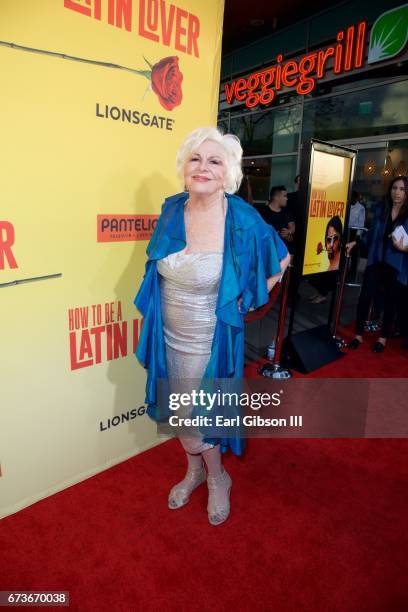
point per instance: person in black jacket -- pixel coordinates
(293, 198)
(387, 264)
(276, 214)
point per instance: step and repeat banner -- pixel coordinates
(97, 96)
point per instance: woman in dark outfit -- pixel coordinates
(387, 265)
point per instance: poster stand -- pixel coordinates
(327, 173)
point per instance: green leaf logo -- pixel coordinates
(389, 35)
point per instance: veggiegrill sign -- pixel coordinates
(388, 38)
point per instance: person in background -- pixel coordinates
(357, 212)
(293, 198)
(387, 264)
(276, 214)
(356, 225)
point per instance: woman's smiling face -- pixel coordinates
(205, 170)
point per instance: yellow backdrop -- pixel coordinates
(87, 157)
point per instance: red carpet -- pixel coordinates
(316, 525)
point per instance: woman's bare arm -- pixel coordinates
(272, 280)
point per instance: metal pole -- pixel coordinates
(274, 369)
(282, 316)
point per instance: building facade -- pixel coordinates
(340, 76)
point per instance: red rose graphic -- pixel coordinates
(319, 248)
(166, 82)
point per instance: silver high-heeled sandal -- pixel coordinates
(218, 513)
(179, 495)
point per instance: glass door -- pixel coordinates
(378, 162)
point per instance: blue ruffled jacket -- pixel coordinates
(252, 253)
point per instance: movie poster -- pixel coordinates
(330, 176)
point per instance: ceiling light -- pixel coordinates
(370, 167)
(388, 169)
(401, 169)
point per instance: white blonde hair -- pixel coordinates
(232, 149)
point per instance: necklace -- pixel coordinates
(196, 210)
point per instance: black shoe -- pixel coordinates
(378, 347)
(354, 344)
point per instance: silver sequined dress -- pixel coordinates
(189, 285)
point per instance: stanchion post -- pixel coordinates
(280, 334)
(274, 369)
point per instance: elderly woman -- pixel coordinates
(210, 259)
